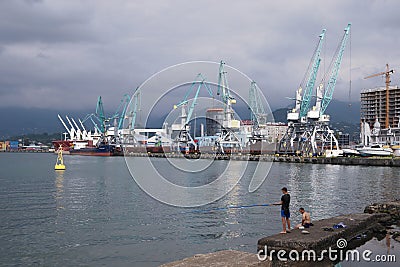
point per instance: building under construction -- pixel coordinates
(373, 106)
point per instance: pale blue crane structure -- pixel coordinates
(257, 111)
(227, 140)
(312, 76)
(308, 130)
(120, 113)
(334, 71)
(134, 109)
(185, 141)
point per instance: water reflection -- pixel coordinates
(59, 184)
(334, 189)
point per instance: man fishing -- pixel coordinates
(285, 213)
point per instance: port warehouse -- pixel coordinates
(9, 146)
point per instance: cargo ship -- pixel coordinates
(104, 150)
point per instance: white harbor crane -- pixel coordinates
(85, 133)
(69, 131)
(79, 133)
(73, 131)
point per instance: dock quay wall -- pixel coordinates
(366, 161)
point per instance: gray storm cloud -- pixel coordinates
(66, 53)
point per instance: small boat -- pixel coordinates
(348, 152)
(60, 161)
(396, 150)
(376, 150)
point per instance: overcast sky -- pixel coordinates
(64, 54)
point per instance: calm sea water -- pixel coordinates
(95, 214)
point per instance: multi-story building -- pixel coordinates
(275, 131)
(373, 106)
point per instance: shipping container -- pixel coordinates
(14, 145)
(2, 146)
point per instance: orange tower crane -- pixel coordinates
(387, 82)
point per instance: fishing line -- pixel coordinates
(228, 208)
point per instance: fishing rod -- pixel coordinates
(230, 207)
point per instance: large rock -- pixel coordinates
(392, 208)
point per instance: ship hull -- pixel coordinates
(103, 151)
(375, 152)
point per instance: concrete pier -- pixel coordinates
(322, 236)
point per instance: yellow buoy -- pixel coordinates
(60, 162)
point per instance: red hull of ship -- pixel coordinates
(66, 145)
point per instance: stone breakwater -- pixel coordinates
(391, 208)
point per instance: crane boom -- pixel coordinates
(227, 99)
(257, 112)
(100, 115)
(223, 87)
(200, 80)
(121, 110)
(335, 71)
(376, 74)
(76, 125)
(136, 107)
(90, 116)
(185, 141)
(72, 127)
(63, 123)
(81, 123)
(194, 102)
(312, 75)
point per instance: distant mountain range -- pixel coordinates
(22, 121)
(345, 117)
(339, 112)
